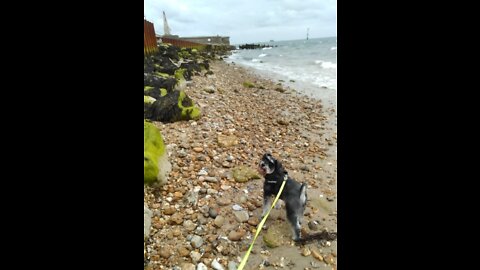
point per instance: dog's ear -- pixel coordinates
(279, 167)
(269, 157)
(278, 164)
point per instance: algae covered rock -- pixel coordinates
(159, 80)
(271, 239)
(169, 51)
(203, 64)
(184, 53)
(243, 174)
(180, 79)
(174, 106)
(155, 160)
(147, 102)
(164, 65)
(277, 234)
(248, 85)
(154, 92)
(191, 68)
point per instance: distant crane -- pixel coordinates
(166, 29)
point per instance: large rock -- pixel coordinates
(241, 216)
(159, 80)
(181, 79)
(174, 106)
(236, 235)
(169, 51)
(185, 53)
(243, 174)
(154, 92)
(190, 68)
(277, 234)
(203, 64)
(271, 239)
(155, 160)
(164, 65)
(227, 141)
(165, 76)
(147, 102)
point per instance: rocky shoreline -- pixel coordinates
(205, 216)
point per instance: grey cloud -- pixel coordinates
(246, 20)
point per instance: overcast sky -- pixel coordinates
(245, 20)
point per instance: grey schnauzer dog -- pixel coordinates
(294, 194)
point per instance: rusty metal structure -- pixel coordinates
(149, 38)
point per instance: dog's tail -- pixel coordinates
(303, 194)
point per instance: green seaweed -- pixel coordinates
(153, 149)
(148, 100)
(147, 88)
(163, 92)
(248, 85)
(188, 112)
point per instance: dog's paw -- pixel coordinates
(264, 213)
(260, 217)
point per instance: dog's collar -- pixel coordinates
(274, 182)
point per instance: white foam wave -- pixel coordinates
(325, 64)
(329, 65)
(234, 56)
(263, 55)
(319, 78)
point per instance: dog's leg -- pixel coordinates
(294, 220)
(267, 204)
(303, 202)
(278, 205)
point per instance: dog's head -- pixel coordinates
(268, 164)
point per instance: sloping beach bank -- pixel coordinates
(204, 213)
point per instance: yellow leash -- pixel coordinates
(260, 225)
